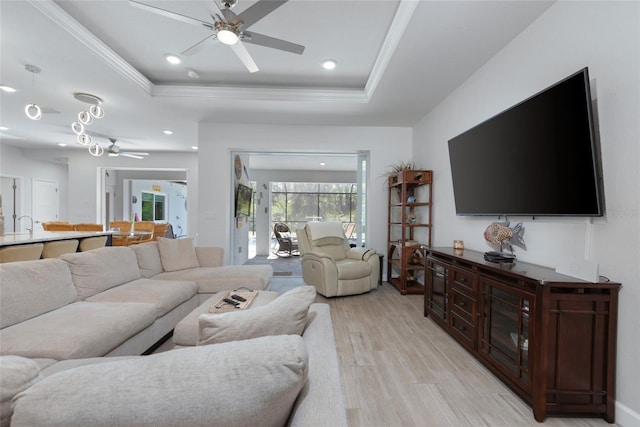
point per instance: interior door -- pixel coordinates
(45, 201)
(10, 193)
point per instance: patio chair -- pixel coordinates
(287, 244)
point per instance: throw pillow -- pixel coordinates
(16, 374)
(286, 315)
(245, 383)
(148, 258)
(177, 254)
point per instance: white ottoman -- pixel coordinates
(186, 331)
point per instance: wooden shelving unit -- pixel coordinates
(408, 229)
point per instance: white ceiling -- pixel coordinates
(396, 61)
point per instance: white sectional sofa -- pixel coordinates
(59, 317)
(112, 308)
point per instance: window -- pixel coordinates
(296, 203)
(153, 207)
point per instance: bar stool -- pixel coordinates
(59, 247)
(21, 252)
(89, 243)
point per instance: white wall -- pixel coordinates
(80, 177)
(217, 141)
(18, 163)
(605, 36)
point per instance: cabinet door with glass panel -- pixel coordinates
(504, 330)
(436, 299)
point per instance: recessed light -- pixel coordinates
(194, 147)
(4, 128)
(7, 89)
(167, 132)
(62, 144)
(173, 59)
(329, 64)
(193, 74)
(322, 163)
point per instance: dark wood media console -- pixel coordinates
(551, 338)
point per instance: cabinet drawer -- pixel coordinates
(463, 304)
(462, 330)
(463, 280)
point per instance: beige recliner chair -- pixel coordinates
(331, 266)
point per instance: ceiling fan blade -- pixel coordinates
(198, 46)
(133, 156)
(257, 11)
(137, 153)
(172, 15)
(272, 42)
(244, 56)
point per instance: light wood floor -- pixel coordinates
(398, 368)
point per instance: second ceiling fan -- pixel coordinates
(230, 29)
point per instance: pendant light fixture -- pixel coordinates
(32, 110)
(85, 118)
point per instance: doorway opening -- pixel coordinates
(158, 195)
(295, 188)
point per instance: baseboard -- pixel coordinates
(626, 417)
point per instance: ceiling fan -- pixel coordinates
(114, 151)
(230, 29)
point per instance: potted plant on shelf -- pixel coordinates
(403, 172)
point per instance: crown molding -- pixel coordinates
(65, 21)
(261, 93)
(396, 30)
(400, 21)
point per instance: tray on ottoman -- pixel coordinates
(222, 307)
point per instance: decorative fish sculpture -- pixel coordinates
(500, 233)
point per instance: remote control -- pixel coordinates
(230, 301)
(238, 298)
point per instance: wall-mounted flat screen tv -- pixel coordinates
(243, 200)
(538, 158)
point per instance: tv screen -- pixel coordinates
(537, 158)
(243, 200)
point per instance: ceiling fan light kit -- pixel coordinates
(227, 33)
(230, 28)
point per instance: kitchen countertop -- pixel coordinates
(47, 236)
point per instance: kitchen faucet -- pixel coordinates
(30, 230)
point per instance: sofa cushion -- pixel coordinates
(31, 288)
(247, 383)
(80, 329)
(148, 257)
(101, 269)
(211, 280)
(16, 374)
(186, 331)
(177, 254)
(285, 315)
(164, 295)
